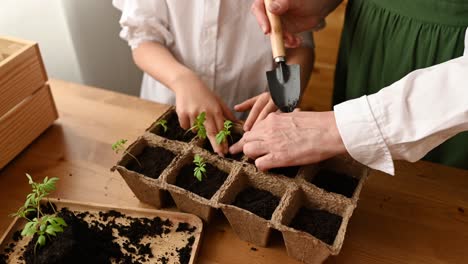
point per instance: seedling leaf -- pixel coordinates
(200, 125)
(223, 134)
(199, 171)
(163, 123)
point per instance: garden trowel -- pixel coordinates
(284, 82)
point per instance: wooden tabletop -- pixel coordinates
(418, 216)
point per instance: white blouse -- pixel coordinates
(219, 40)
(409, 118)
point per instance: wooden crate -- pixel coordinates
(26, 104)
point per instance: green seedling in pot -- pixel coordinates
(200, 125)
(223, 134)
(163, 124)
(120, 146)
(43, 225)
(200, 169)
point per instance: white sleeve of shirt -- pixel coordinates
(407, 119)
(144, 20)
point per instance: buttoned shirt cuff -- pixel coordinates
(361, 135)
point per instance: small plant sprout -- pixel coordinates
(223, 134)
(120, 146)
(200, 125)
(200, 169)
(43, 225)
(163, 124)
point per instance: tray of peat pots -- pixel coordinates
(145, 164)
(58, 231)
(195, 182)
(249, 201)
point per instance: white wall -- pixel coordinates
(78, 40)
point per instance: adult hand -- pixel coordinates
(193, 98)
(260, 106)
(296, 15)
(290, 139)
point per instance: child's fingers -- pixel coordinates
(246, 105)
(184, 121)
(269, 108)
(211, 131)
(256, 110)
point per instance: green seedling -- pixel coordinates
(223, 134)
(120, 146)
(163, 123)
(200, 125)
(43, 225)
(200, 169)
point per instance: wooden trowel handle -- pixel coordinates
(276, 35)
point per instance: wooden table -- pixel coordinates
(418, 216)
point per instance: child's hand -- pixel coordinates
(193, 98)
(260, 106)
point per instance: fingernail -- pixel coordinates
(274, 7)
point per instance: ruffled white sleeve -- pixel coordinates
(407, 119)
(144, 20)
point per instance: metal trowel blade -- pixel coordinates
(284, 84)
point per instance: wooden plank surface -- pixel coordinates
(25, 122)
(418, 216)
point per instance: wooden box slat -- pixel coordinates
(25, 122)
(22, 72)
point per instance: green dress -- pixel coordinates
(384, 40)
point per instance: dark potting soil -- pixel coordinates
(289, 172)
(259, 202)
(185, 252)
(319, 223)
(175, 132)
(335, 182)
(233, 139)
(94, 243)
(153, 161)
(206, 188)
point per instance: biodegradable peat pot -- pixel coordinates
(174, 131)
(324, 234)
(193, 196)
(103, 234)
(340, 175)
(249, 202)
(156, 156)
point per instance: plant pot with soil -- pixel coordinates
(53, 232)
(144, 165)
(249, 202)
(340, 175)
(168, 126)
(235, 134)
(313, 224)
(196, 190)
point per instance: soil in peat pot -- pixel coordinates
(94, 242)
(335, 182)
(153, 161)
(206, 188)
(259, 202)
(319, 223)
(232, 139)
(174, 131)
(290, 172)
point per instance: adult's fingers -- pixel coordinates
(256, 110)
(255, 149)
(246, 105)
(278, 7)
(269, 108)
(237, 148)
(211, 131)
(291, 41)
(258, 9)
